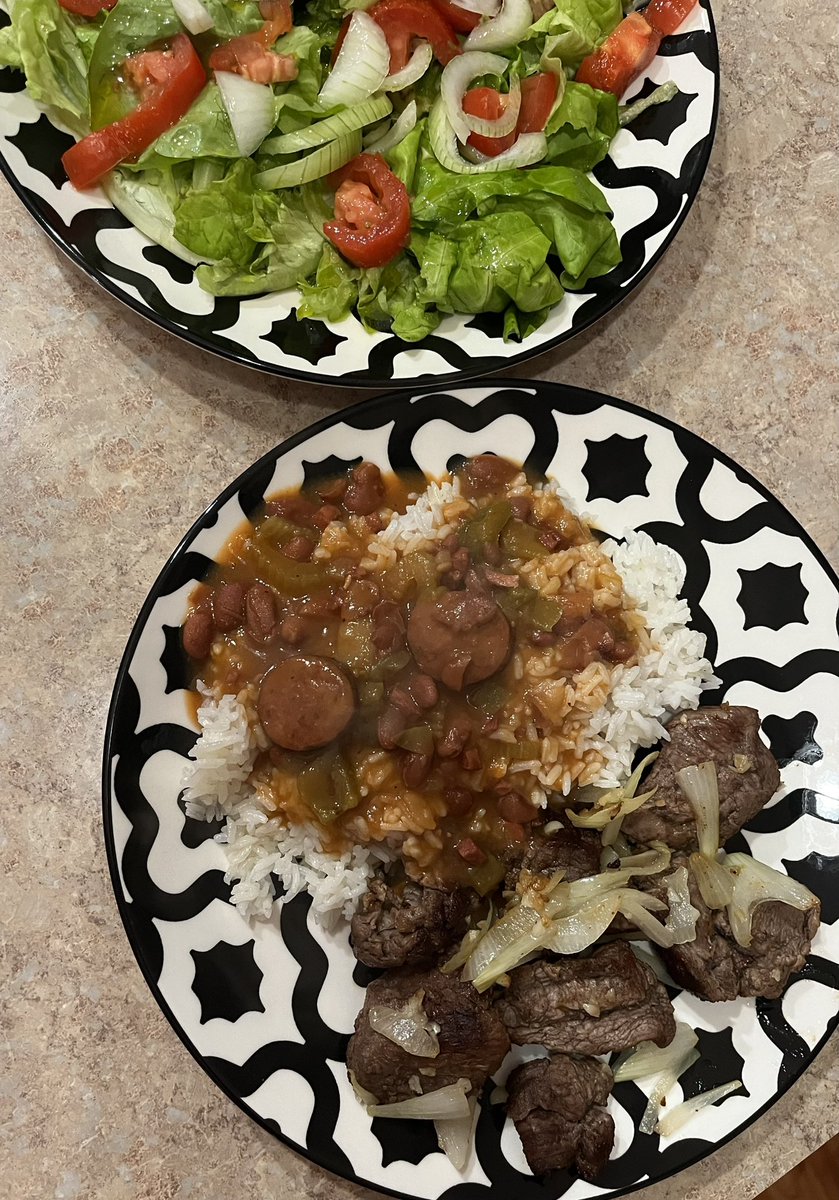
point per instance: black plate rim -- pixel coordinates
(547, 389)
(481, 367)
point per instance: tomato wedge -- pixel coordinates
(403, 20)
(172, 82)
(250, 54)
(489, 105)
(538, 96)
(372, 213)
(87, 8)
(459, 18)
(622, 57)
(667, 15)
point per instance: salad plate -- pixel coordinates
(648, 180)
(266, 1006)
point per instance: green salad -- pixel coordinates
(436, 163)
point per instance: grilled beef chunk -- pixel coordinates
(715, 967)
(472, 1038)
(574, 851)
(587, 1005)
(747, 776)
(555, 1104)
(406, 924)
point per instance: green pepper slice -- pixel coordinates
(485, 527)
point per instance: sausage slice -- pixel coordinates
(305, 702)
(459, 638)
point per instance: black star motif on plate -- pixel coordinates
(180, 271)
(306, 339)
(616, 468)
(405, 1141)
(315, 473)
(42, 145)
(174, 660)
(772, 596)
(195, 832)
(660, 121)
(227, 981)
(793, 738)
(717, 1063)
(820, 874)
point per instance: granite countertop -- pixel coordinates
(113, 436)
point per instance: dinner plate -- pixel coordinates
(650, 178)
(267, 1007)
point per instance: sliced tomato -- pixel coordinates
(489, 105)
(403, 20)
(372, 213)
(249, 57)
(87, 8)
(277, 17)
(667, 15)
(460, 19)
(538, 96)
(627, 51)
(170, 82)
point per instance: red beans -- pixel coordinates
(470, 759)
(424, 691)
(325, 514)
(299, 548)
(198, 633)
(365, 490)
(260, 612)
(455, 738)
(333, 493)
(297, 509)
(415, 769)
(388, 627)
(292, 629)
(228, 606)
(391, 724)
(458, 801)
(514, 807)
(470, 852)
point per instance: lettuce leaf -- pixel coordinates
(52, 54)
(148, 200)
(288, 250)
(215, 223)
(574, 28)
(131, 26)
(9, 49)
(392, 298)
(581, 129)
(335, 289)
(486, 264)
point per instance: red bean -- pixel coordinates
(415, 769)
(470, 852)
(402, 700)
(197, 634)
(514, 807)
(299, 548)
(470, 759)
(333, 493)
(293, 629)
(260, 612)
(325, 514)
(228, 606)
(424, 691)
(391, 723)
(297, 509)
(455, 738)
(458, 801)
(365, 490)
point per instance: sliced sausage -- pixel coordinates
(459, 638)
(305, 702)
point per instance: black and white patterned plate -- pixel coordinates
(651, 178)
(266, 1008)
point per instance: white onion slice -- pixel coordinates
(528, 148)
(193, 15)
(699, 785)
(399, 130)
(454, 1136)
(503, 31)
(361, 66)
(448, 1103)
(754, 884)
(682, 1113)
(407, 1027)
(414, 69)
(486, 8)
(250, 107)
(504, 124)
(648, 1059)
(456, 77)
(661, 1087)
(714, 880)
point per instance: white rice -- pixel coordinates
(643, 697)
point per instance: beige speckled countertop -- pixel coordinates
(113, 436)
